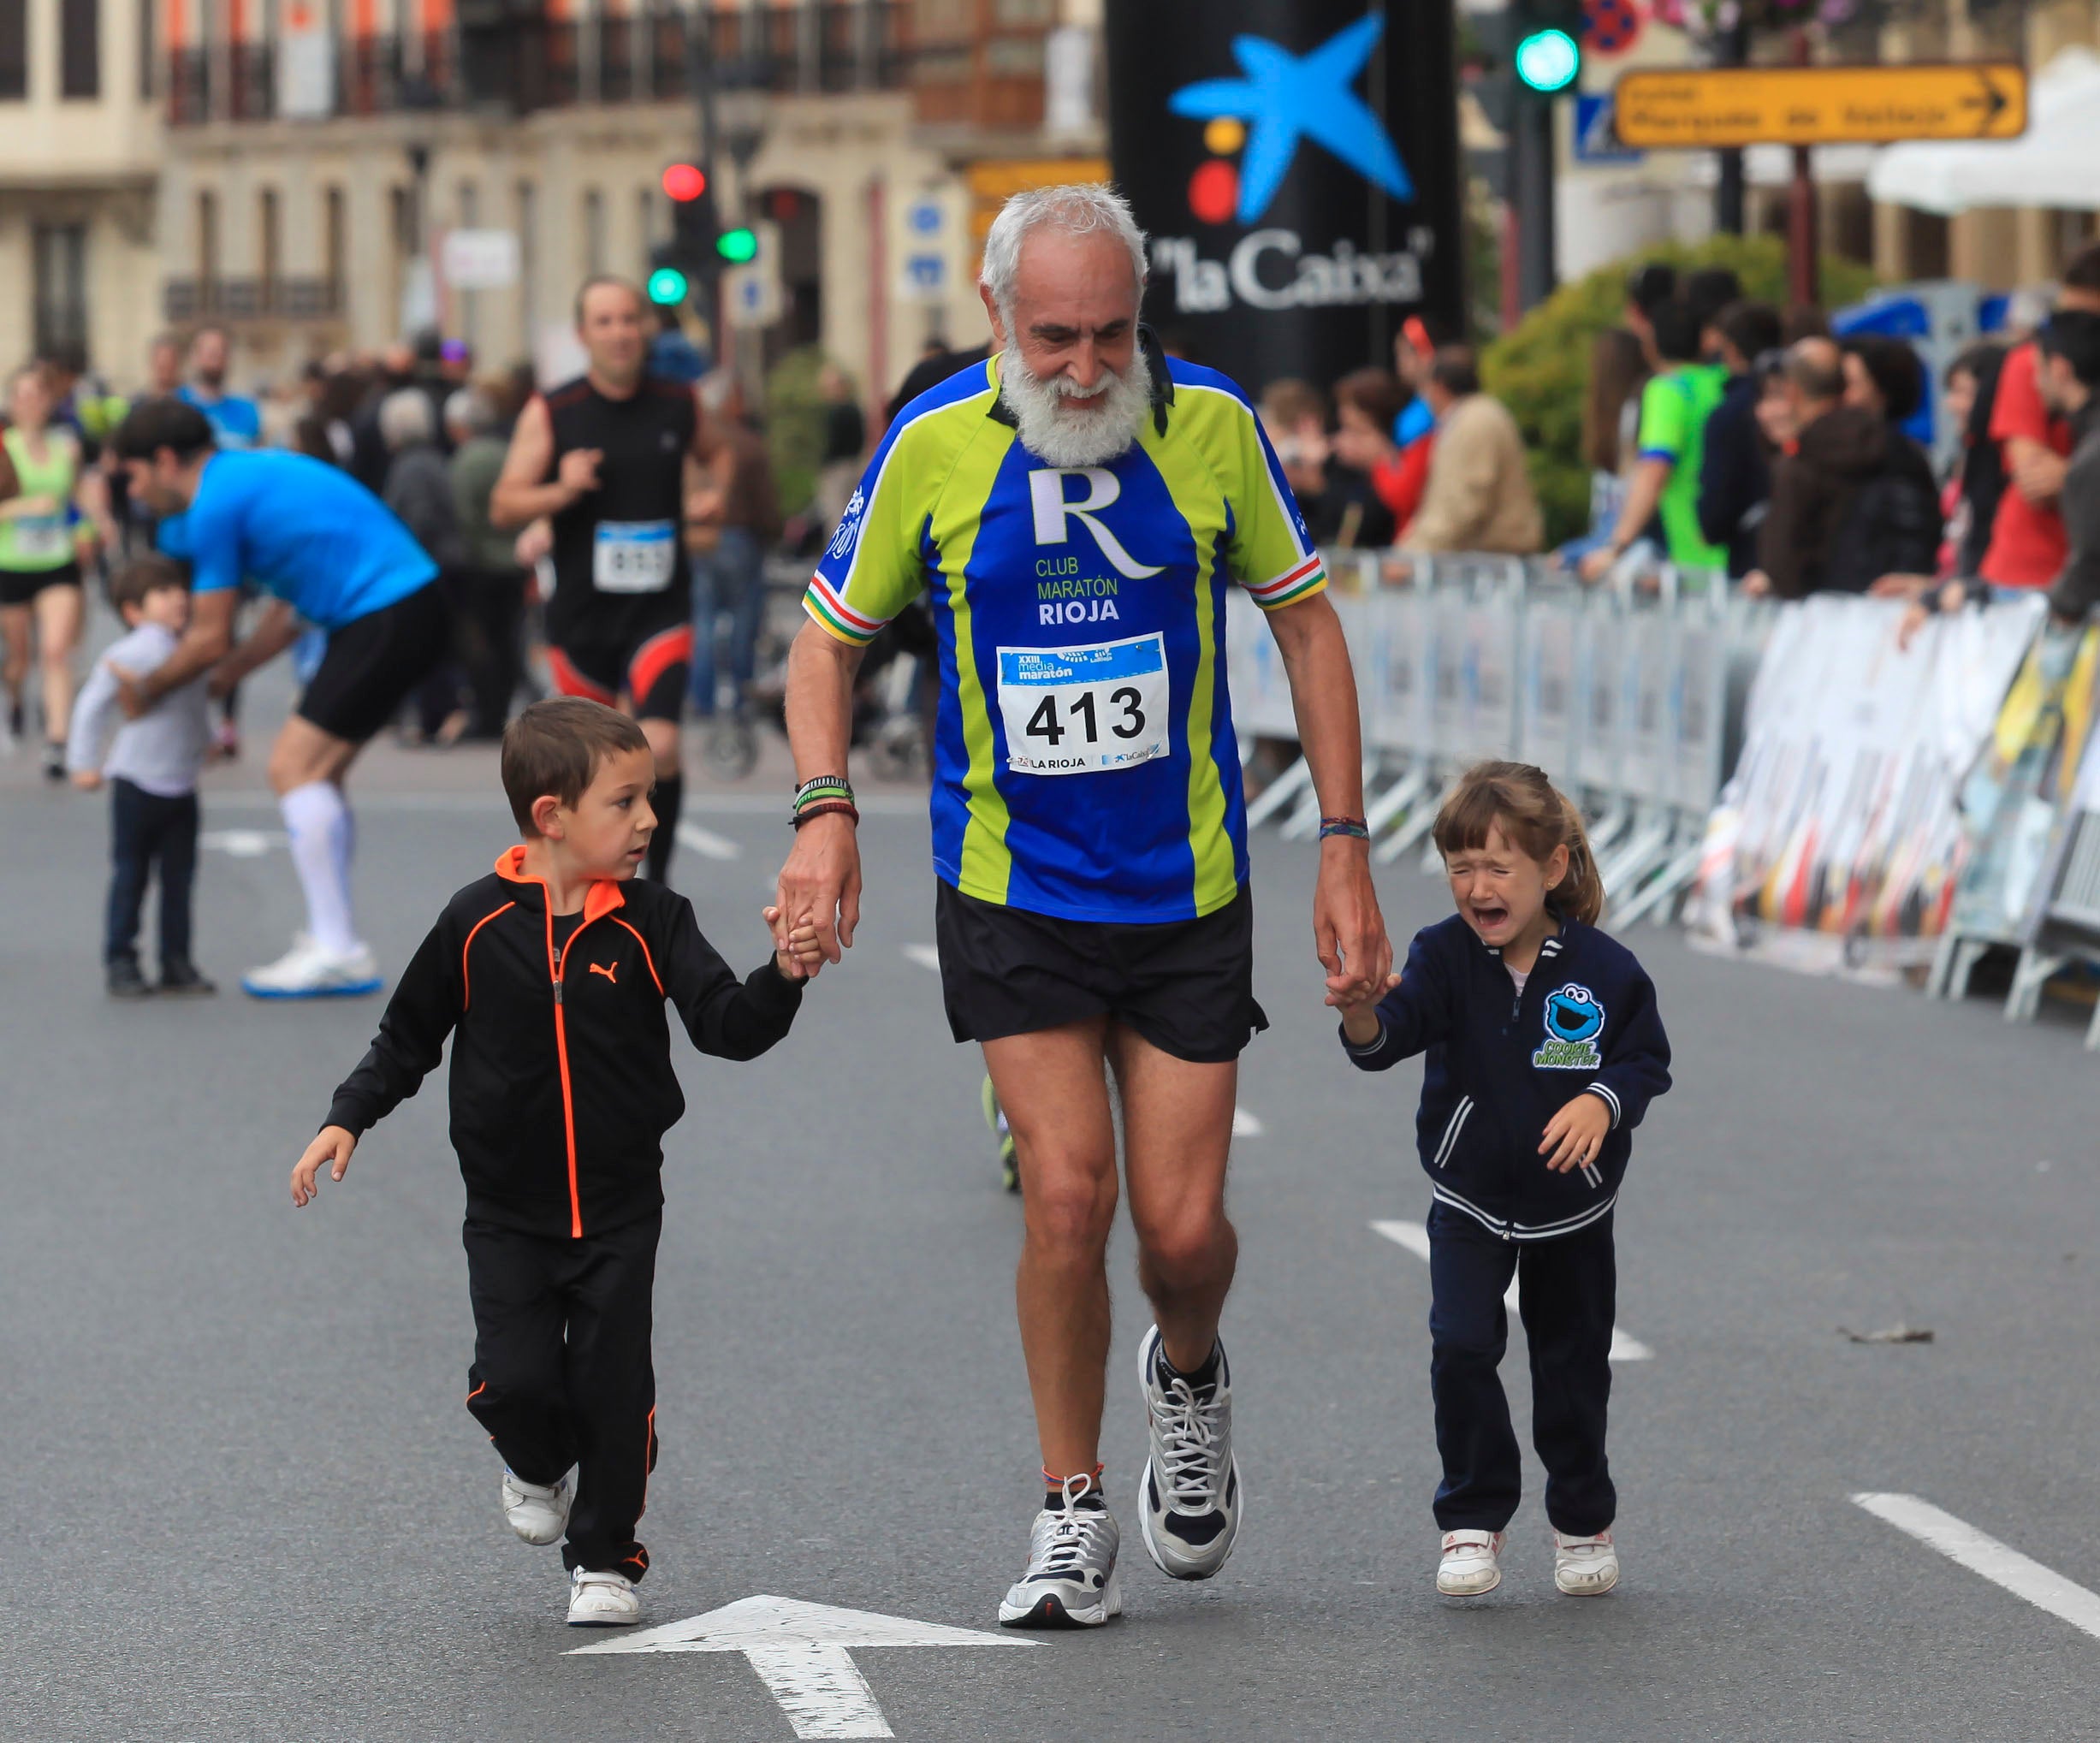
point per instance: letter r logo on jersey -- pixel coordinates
(1046, 489)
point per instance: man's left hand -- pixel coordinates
(1349, 932)
(131, 695)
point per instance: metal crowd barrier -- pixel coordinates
(1630, 699)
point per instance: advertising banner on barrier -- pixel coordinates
(2014, 801)
(1837, 841)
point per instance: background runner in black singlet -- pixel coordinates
(612, 461)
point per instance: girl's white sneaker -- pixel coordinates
(1585, 1566)
(1472, 1562)
(599, 1599)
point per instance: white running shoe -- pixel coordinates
(1472, 1563)
(1585, 1566)
(538, 1515)
(600, 1598)
(1070, 1581)
(307, 970)
(1189, 1498)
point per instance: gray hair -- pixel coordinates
(469, 409)
(1075, 209)
(405, 418)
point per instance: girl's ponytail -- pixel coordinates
(1581, 894)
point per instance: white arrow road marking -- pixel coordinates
(706, 843)
(803, 1653)
(241, 843)
(1416, 1238)
(925, 955)
(1245, 1125)
(2000, 1563)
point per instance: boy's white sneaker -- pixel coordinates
(600, 1598)
(538, 1514)
(1585, 1566)
(307, 970)
(1472, 1563)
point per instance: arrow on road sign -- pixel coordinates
(803, 1654)
(1993, 102)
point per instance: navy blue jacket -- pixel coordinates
(1500, 1066)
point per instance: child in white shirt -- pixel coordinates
(152, 767)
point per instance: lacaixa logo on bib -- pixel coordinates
(1574, 1020)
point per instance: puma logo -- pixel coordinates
(610, 970)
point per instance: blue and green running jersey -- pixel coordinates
(1084, 764)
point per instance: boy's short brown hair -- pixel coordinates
(131, 584)
(558, 746)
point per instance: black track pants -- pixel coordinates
(1568, 1287)
(562, 1377)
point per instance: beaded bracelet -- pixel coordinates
(1353, 828)
(825, 808)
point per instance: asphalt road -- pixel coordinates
(247, 1504)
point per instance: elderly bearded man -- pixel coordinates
(1076, 505)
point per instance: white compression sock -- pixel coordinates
(319, 825)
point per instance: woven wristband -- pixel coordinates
(1353, 828)
(825, 808)
(824, 786)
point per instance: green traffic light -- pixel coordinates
(667, 284)
(1547, 60)
(738, 246)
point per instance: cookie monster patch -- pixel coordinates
(1574, 1020)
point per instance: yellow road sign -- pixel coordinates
(1705, 108)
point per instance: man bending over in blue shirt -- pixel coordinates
(329, 552)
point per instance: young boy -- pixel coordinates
(555, 970)
(151, 768)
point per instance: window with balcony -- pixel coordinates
(207, 238)
(79, 49)
(594, 232)
(269, 253)
(14, 51)
(335, 243)
(62, 284)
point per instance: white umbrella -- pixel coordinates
(2056, 162)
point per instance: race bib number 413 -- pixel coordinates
(1084, 710)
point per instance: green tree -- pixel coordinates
(1540, 370)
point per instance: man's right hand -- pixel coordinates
(578, 473)
(820, 883)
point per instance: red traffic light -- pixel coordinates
(685, 181)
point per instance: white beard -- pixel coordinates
(1053, 429)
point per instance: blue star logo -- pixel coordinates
(1285, 97)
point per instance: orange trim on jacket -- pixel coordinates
(466, 985)
(600, 899)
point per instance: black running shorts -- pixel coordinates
(1186, 986)
(21, 587)
(647, 666)
(374, 660)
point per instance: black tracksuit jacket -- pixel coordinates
(562, 1087)
(1501, 1063)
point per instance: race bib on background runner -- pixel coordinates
(633, 556)
(43, 538)
(1084, 710)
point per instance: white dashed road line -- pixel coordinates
(2000, 1563)
(706, 843)
(240, 844)
(924, 955)
(1416, 1238)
